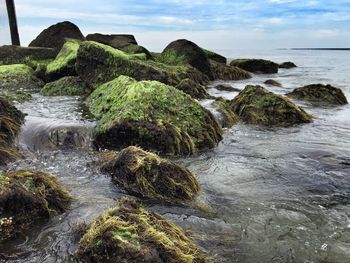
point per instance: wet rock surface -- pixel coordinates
(259, 66)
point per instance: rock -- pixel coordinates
(319, 93)
(214, 56)
(15, 96)
(18, 77)
(131, 233)
(66, 86)
(64, 63)
(126, 43)
(152, 115)
(226, 87)
(287, 65)
(182, 52)
(228, 116)
(147, 175)
(11, 120)
(27, 196)
(225, 72)
(98, 63)
(193, 89)
(272, 82)
(31, 56)
(256, 105)
(54, 36)
(259, 66)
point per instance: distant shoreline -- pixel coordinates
(332, 49)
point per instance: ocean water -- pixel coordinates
(277, 194)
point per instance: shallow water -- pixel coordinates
(279, 195)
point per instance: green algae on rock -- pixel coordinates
(228, 116)
(226, 72)
(64, 63)
(152, 115)
(147, 175)
(272, 82)
(215, 56)
(193, 89)
(15, 96)
(25, 197)
(259, 66)
(129, 233)
(66, 86)
(18, 77)
(256, 105)
(320, 94)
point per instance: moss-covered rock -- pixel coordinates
(259, 66)
(320, 94)
(226, 87)
(126, 43)
(11, 120)
(31, 56)
(27, 196)
(55, 35)
(225, 72)
(256, 105)
(15, 96)
(193, 89)
(272, 82)
(152, 115)
(18, 77)
(287, 65)
(228, 116)
(64, 63)
(66, 86)
(147, 175)
(130, 233)
(98, 63)
(215, 56)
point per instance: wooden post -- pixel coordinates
(13, 22)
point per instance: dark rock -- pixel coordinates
(272, 82)
(228, 116)
(214, 56)
(226, 72)
(193, 89)
(319, 93)
(226, 87)
(259, 66)
(54, 36)
(256, 105)
(287, 65)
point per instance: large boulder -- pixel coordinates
(259, 66)
(152, 115)
(64, 63)
(193, 89)
(287, 65)
(19, 77)
(183, 51)
(98, 63)
(54, 36)
(127, 43)
(66, 86)
(26, 197)
(147, 175)
(130, 233)
(226, 72)
(256, 105)
(320, 94)
(215, 56)
(11, 120)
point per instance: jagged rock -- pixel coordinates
(225, 72)
(256, 105)
(133, 234)
(66, 86)
(193, 89)
(259, 66)
(287, 65)
(54, 36)
(272, 82)
(215, 56)
(152, 115)
(147, 175)
(319, 93)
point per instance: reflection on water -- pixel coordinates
(280, 195)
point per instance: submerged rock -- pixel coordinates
(273, 82)
(287, 65)
(64, 63)
(215, 56)
(152, 115)
(11, 120)
(226, 87)
(256, 105)
(27, 196)
(147, 175)
(18, 77)
(193, 89)
(319, 93)
(225, 72)
(228, 116)
(66, 86)
(55, 35)
(259, 66)
(131, 233)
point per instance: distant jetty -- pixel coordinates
(333, 49)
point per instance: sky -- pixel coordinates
(213, 24)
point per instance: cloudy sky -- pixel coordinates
(215, 24)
